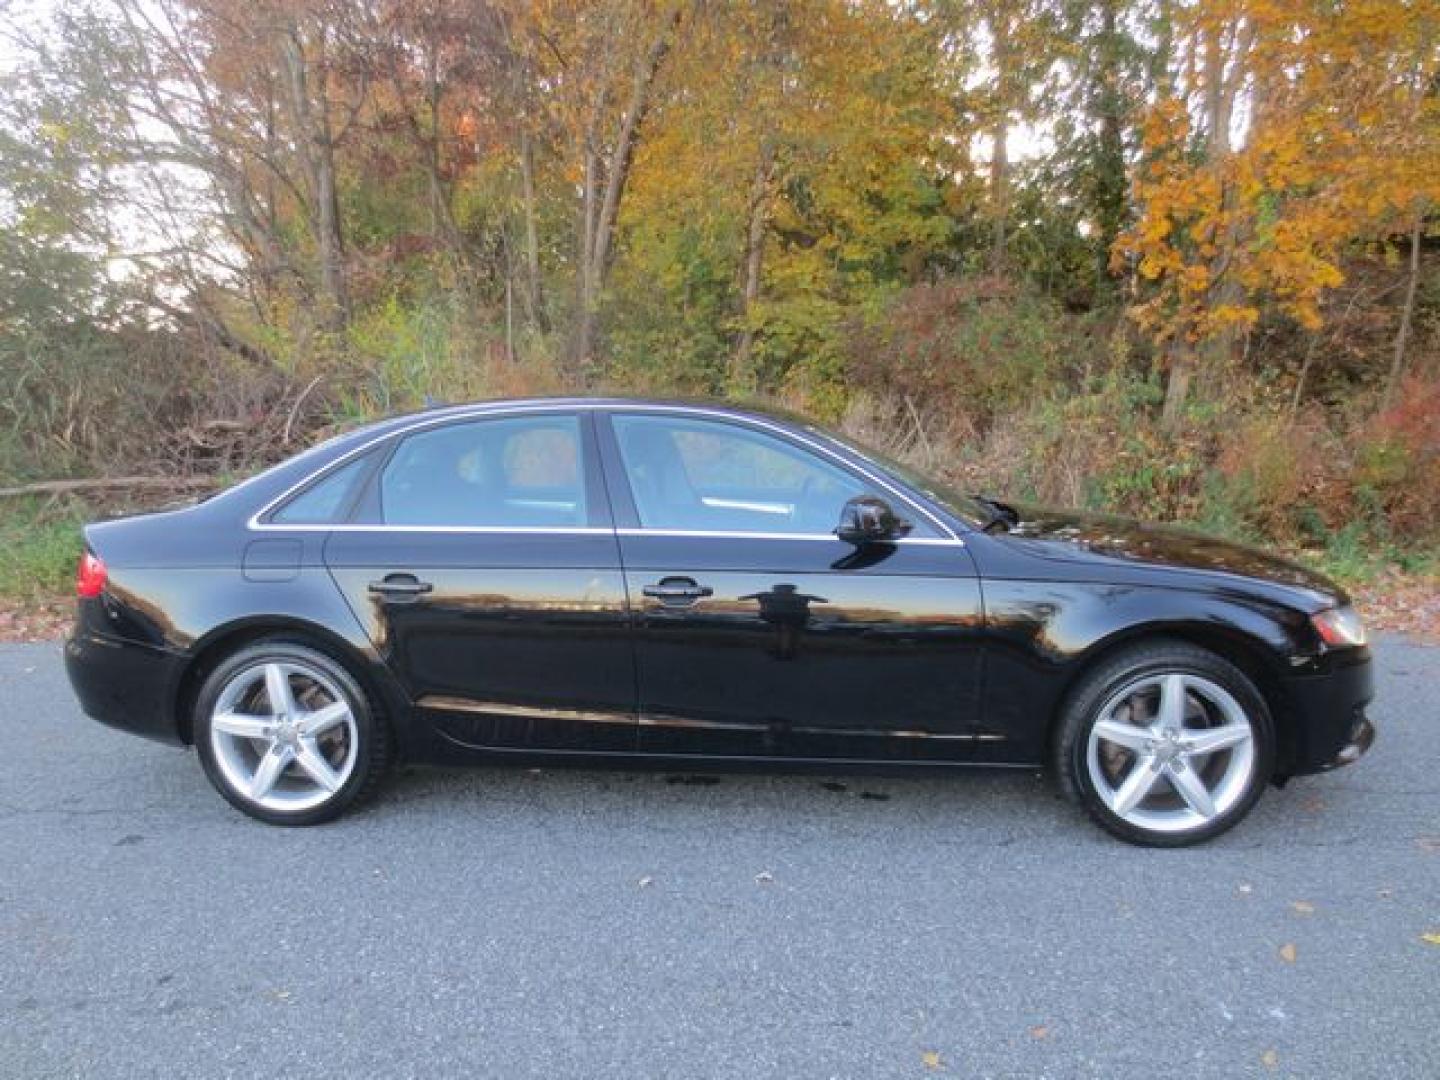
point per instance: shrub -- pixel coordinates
(1397, 462)
(1280, 476)
(981, 346)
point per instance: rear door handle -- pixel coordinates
(677, 590)
(400, 587)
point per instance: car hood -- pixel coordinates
(1102, 538)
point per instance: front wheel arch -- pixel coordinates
(1252, 657)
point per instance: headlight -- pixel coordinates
(1339, 627)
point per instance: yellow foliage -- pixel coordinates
(1343, 144)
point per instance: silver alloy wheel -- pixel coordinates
(284, 735)
(1171, 752)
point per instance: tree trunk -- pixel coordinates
(318, 152)
(1111, 183)
(586, 299)
(332, 244)
(1220, 93)
(534, 299)
(442, 221)
(1177, 385)
(741, 378)
(999, 195)
(1407, 313)
(116, 483)
(999, 152)
(601, 210)
(1304, 375)
(618, 167)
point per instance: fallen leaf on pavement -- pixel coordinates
(1270, 1059)
(1432, 938)
(931, 1059)
(1302, 907)
(1039, 1031)
(1287, 953)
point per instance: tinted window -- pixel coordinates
(519, 472)
(325, 502)
(708, 475)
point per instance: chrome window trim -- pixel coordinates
(720, 534)
(593, 530)
(517, 530)
(485, 410)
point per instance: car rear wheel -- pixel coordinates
(287, 735)
(1165, 744)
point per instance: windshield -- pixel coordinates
(965, 507)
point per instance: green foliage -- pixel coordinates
(39, 548)
(671, 304)
(411, 350)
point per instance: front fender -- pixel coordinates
(1043, 635)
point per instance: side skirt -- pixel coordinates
(460, 755)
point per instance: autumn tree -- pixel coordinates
(1294, 131)
(802, 171)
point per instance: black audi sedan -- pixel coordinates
(588, 579)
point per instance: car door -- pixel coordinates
(758, 632)
(483, 562)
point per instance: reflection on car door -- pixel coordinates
(484, 566)
(758, 632)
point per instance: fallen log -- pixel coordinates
(114, 483)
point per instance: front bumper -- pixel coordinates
(1328, 724)
(124, 684)
(1362, 737)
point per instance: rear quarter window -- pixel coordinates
(328, 500)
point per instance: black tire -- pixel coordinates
(1161, 656)
(374, 750)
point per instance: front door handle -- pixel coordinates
(401, 587)
(677, 590)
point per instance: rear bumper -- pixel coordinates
(124, 684)
(1329, 725)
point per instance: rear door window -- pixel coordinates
(516, 472)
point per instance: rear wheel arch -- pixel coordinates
(224, 641)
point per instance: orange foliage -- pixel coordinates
(1341, 143)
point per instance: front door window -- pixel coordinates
(704, 476)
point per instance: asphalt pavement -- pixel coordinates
(512, 923)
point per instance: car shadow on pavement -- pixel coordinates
(990, 807)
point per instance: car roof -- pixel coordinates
(756, 409)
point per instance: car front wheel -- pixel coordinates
(1165, 744)
(287, 735)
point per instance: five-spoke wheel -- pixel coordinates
(1165, 744)
(286, 734)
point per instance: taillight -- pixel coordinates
(90, 576)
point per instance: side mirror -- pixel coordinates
(868, 520)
